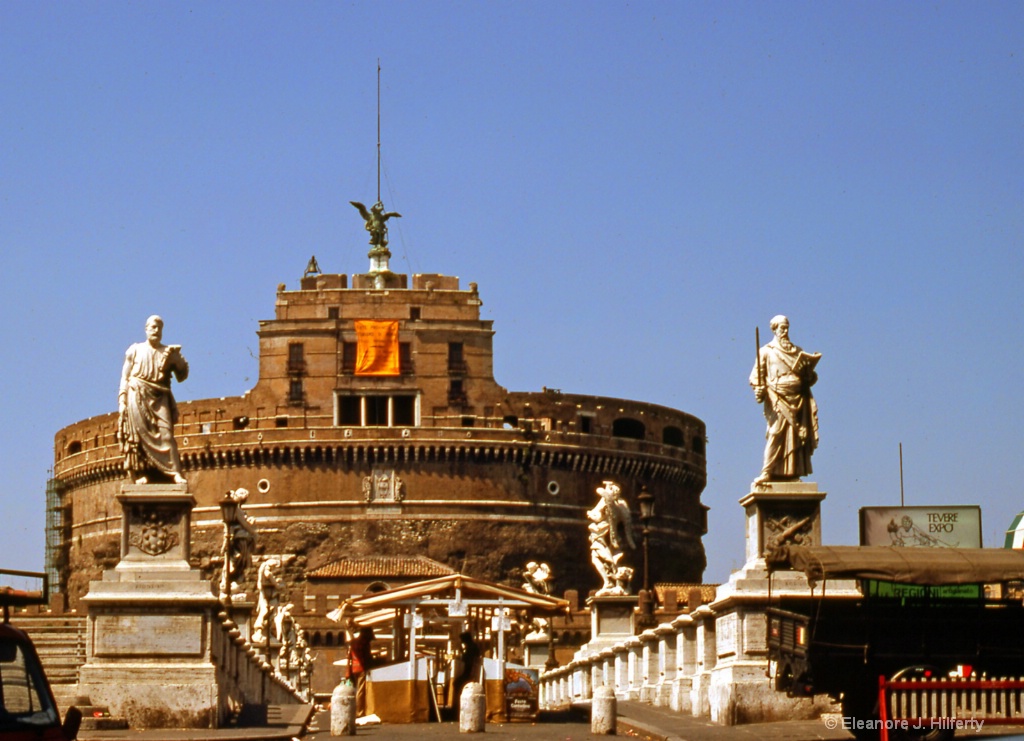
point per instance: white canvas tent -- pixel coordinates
(426, 617)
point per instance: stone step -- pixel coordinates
(98, 718)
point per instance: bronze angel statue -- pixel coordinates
(376, 222)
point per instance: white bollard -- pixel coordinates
(603, 711)
(343, 709)
(472, 708)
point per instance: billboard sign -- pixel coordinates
(921, 527)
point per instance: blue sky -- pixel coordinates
(634, 187)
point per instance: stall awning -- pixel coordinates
(457, 586)
(923, 566)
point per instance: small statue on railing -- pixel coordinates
(286, 632)
(240, 541)
(537, 579)
(306, 659)
(267, 605)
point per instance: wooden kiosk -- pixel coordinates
(426, 619)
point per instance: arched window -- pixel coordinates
(74, 447)
(627, 427)
(673, 436)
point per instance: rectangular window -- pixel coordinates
(376, 411)
(296, 358)
(295, 393)
(404, 411)
(405, 358)
(348, 357)
(586, 424)
(333, 312)
(456, 359)
(414, 313)
(350, 411)
(456, 392)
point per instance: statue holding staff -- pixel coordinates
(782, 378)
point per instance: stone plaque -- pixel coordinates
(614, 619)
(148, 635)
(725, 626)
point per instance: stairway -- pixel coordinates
(60, 643)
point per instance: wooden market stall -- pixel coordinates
(427, 618)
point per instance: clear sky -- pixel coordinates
(634, 186)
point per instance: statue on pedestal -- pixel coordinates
(537, 580)
(376, 222)
(286, 632)
(267, 605)
(782, 378)
(240, 542)
(610, 524)
(146, 409)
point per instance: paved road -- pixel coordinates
(636, 721)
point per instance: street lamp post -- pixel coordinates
(646, 501)
(228, 513)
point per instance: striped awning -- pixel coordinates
(1015, 533)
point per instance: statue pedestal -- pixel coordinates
(612, 621)
(781, 512)
(739, 689)
(148, 651)
(536, 650)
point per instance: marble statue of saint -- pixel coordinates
(537, 579)
(782, 378)
(267, 603)
(243, 540)
(146, 408)
(376, 222)
(610, 525)
(306, 661)
(286, 632)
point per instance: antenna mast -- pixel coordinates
(901, 474)
(378, 130)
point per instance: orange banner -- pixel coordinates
(377, 348)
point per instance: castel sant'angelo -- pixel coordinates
(376, 428)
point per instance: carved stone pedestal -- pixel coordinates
(537, 650)
(612, 620)
(780, 513)
(740, 690)
(150, 620)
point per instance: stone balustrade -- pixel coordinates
(244, 678)
(709, 662)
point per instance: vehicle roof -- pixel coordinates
(922, 566)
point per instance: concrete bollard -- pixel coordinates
(472, 708)
(343, 709)
(603, 711)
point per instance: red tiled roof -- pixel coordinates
(377, 567)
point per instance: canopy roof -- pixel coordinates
(923, 566)
(465, 590)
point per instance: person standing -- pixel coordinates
(360, 660)
(146, 412)
(471, 658)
